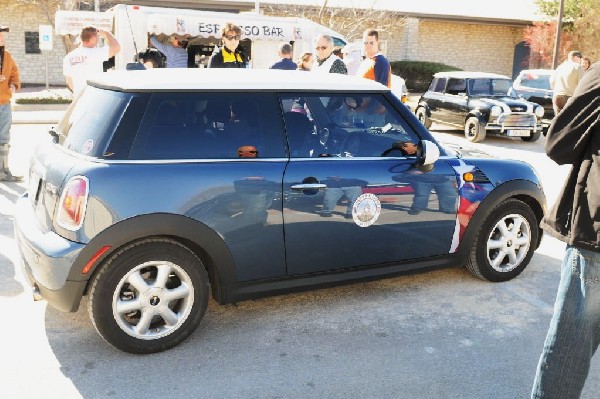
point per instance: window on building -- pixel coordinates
(32, 43)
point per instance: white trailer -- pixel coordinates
(261, 34)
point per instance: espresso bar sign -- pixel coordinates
(211, 27)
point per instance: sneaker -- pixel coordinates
(7, 176)
(325, 215)
(414, 212)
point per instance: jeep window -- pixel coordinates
(535, 81)
(209, 126)
(456, 86)
(438, 85)
(90, 121)
(342, 125)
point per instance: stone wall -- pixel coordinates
(21, 18)
(471, 47)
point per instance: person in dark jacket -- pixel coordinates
(574, 333)
(285, 63)
(230, 55)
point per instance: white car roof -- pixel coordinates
(225, 79)
(470, 75)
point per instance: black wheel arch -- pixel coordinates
(523, 190)
(477, 114)
(198, 237)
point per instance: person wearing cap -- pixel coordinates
(9, 83)
(177, 55)
(564, 80)
(286, 63)
(375, 66)
(86, 60)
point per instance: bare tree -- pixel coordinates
(350, 21)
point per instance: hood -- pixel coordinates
(508, 104)
(461, 151)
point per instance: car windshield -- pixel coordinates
(535, 81)
(490, 87)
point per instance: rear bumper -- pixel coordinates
(46, 259)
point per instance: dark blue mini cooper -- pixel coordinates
(159, 188)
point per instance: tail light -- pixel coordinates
(73, 202)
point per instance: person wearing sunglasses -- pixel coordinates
(327, 62)
(375, 66)
(230, 54)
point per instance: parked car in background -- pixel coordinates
(161, 187)
(534, 85)
(481, 104)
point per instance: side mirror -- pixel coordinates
(427, 153)
(54, 135)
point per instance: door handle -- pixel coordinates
(309, 186)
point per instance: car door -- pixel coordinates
(456, 101)
(435, 98)
(352, 193)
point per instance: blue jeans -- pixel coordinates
(574, 330)
(5, 122)
(333, 195)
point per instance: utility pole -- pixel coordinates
(561, 10)
(97, 5)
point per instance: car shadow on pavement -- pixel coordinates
(293, 345)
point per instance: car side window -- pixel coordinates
(439, 85)
(345, 125)
(210, 126)
(456, 86)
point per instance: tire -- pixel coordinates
(534, 136)
(474, 130)
(423, 118)
(137, 311)
(502, 248)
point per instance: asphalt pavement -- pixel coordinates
(440, 334)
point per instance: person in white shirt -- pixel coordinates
(565, 79)
(352, 57)
(86, 60)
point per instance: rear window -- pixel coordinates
(535, 81)
(90, 121)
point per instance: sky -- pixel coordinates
(498, 9)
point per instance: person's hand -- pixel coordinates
(13, 88)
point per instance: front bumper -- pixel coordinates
(46, 259)
(515, 122)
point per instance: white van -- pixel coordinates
(261, 34)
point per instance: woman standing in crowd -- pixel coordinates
(230, 55)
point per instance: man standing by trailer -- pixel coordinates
(86, 60)
(9, 83)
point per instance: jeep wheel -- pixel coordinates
(474, 131)
(149, 296)
(533, 137)
(505, 242)
(423, 118)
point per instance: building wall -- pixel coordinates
(472, 47)
(21, 18)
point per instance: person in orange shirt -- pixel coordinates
(9, 83)
(375, 66)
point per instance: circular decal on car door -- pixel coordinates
(366, 210)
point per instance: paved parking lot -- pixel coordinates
(440, 334)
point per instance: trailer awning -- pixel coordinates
(210, 26)
(71, 22)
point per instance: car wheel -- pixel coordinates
(149, 296)
(474, 130)
(423, 118)
(505, 242)
(534, 136)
